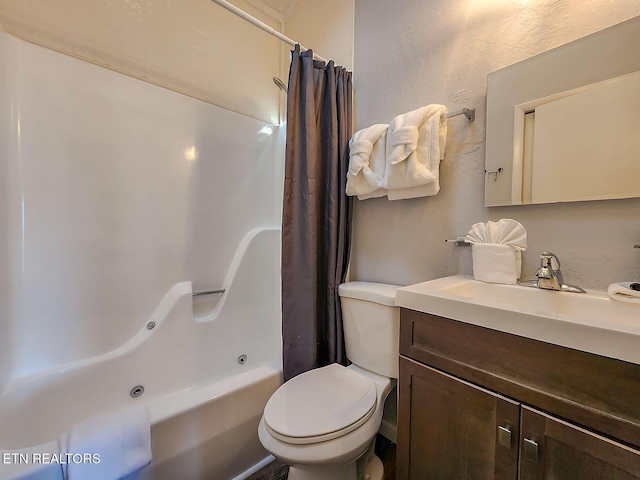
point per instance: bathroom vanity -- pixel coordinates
(480, 398)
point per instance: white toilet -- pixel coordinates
(322, 423)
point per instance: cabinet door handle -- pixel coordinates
(504, 437)
(530, 450)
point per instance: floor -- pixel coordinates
(385, 449)
(276, 470)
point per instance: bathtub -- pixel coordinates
(207, 368)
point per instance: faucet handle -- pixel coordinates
(547, 259)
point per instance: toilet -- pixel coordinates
(323, 423)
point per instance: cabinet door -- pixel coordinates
(450, 429)
(554, 449)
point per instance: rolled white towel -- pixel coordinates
(625, 292)
(367, 161)
(415, 145)
(495, 263)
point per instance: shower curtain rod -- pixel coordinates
(271, 31)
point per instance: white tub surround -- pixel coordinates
(121, 199)
(118, 189)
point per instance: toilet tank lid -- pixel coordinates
(381, 293)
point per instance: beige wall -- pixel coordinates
(326, 27)
(416, 52)
(190, 46)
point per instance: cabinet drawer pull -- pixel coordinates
(504, 437)
(530, 450)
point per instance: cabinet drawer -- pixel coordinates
(597, 392)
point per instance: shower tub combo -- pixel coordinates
(204, 366)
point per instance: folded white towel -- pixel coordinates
(415, 192)
(496, 249)
(415, 146)
(495, 263)
(381, 192)
(122, 439)
(625, 292)
(367, 161)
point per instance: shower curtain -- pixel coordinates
(316, 223)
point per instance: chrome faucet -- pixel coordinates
(549, 276)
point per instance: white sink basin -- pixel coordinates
(590, 322)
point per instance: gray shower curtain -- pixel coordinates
(316, 223)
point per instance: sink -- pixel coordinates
(590, 322)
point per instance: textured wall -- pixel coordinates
(191, 46)
(416, 52)
(326, 27)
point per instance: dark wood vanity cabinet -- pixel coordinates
(481, 404)
(430, 406)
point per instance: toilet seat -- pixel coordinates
(320, 405)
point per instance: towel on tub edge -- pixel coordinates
(122, 439)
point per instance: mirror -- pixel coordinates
(563, 126)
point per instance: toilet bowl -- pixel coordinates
(323, 423)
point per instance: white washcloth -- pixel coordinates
(367, 161)
(496, 249)
(122, 439)
(415, 146)
(625, 292)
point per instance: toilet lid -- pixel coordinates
(321, 404)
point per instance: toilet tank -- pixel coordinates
(371, 324)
